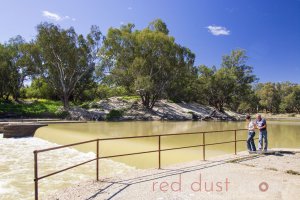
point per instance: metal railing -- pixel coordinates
(159, 150)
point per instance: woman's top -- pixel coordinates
(251, 126)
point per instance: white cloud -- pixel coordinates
(51, 15)
(218, 30)
(56, 17)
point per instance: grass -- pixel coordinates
(272, 168)
(32, 108)
(249, 165)
(292, 172)
(238, 160)
(131, 98)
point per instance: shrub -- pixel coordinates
(105, 91)
(114, 115)
(131, 98)
(85, 105)
(39, 88)
(94, 105)
(61, 113)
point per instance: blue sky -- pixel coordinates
(269, 30)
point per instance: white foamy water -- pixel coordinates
(16, 168)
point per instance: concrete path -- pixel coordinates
(242, 176)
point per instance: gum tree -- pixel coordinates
(144, 61)
(66, 58)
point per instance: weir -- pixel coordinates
(27, 129)
(17, 130)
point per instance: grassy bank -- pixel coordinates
(31, 108)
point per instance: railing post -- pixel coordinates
(36, 186)
(97, 161)
(203, 134)
(235, 142)
(159, 164)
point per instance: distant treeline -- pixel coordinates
(64, 65)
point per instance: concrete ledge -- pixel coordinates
(21, 129)
(2, 124)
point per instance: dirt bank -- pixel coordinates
(163, 110)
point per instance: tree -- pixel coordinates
(269, 97)
(228, 86)
(66, 57)
(159, 26)
(183, 85)
(217, 86)
(5, 72)
(243, 77)
(291, 102)
(145, 61)
(39, 88)
(14, 68)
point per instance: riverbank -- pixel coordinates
(241, 176)
(121, 108)
(114, 109)
(127, 109)
(282, 117)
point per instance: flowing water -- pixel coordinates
(16, 161)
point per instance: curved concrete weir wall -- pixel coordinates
(21, 129)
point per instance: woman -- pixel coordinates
(251, 133)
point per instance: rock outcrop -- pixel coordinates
(163, 110)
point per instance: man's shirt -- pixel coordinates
(261, 123)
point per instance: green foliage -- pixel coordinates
(67, 59)
(228, 86)
(131, 98)
(39, 88)
(291, 101)
(5, 73)
(279, 97)
(144, 61)
(14, 67)
(37, 108)
(159, 26)
(61, 113)
(104, 91)
(244, 107)
(269, 97)
(114, 115)
(85, 105)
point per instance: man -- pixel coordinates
(251, 133)
(262, 126)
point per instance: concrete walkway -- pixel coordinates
(242, 176)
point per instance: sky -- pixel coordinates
(269, 30)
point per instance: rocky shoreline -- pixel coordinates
(133, 110)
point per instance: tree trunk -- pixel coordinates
(65, 100)
(7, 97)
